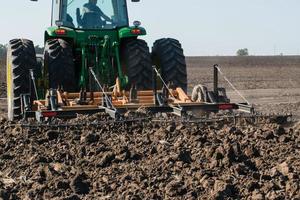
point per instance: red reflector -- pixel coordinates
(136, 31)
(225, 106)
(49, 114)
(60, 32)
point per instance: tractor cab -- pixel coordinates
(90, 14)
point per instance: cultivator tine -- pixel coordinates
(240, 120)
(33, 82)
(82, 97)
(133, 97)
(108, 100)
(53, 99)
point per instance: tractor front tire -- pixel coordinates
(168, 57)
(58, 60)
(136, 61)
(21, 59)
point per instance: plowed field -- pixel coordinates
(165, 160)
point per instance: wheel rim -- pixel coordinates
(10, 96)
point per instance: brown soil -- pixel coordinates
(151, 160)
(247, 72)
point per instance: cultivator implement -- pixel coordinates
(124, 106)
(67, 107)
(117, 103)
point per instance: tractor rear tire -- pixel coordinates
(136, 60)
(20, 59)
(58, 60)
(167, 55)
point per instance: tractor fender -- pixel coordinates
(129, 32)
(51, 32)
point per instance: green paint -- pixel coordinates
(99, 47)
(126, 32)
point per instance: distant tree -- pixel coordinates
(242, 52)
(39, 50)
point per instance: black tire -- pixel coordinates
(39, 68)
(167, 55)
(136, 62)
(20, 59)
(58, 61)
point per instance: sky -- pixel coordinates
(204, 27)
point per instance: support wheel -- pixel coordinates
(167, 55)
(58, 58)
(136, 62)
(199, 94)
(20, 59)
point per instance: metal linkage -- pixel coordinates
(102, 89)
(53, 105)
(164, 83)
(177, 110)
(233, 87)
(33, 82)
(110, 109)
(216, 85)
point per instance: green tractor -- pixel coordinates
(84, 35)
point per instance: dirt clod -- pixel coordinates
(80, 184)
(175, 188)
(185, 156)
(106, 160)
(284, 168)
(52, 135)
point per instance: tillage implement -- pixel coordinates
(94, 61)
